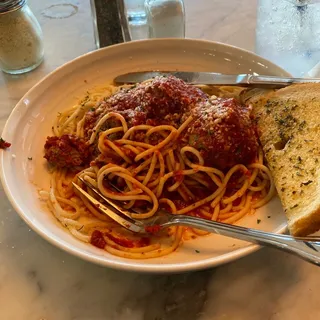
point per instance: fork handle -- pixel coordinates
(307, 250)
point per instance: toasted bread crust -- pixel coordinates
(288, 124)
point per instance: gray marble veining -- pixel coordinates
(39, 281)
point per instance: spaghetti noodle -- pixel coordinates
(155, 165)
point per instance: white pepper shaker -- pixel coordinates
(21, 46)
(166, 18)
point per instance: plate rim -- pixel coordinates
(102, 260)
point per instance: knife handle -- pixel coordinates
(273, 82)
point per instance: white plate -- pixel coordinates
(32, 118)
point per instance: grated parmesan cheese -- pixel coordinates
(21, 48)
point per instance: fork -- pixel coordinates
(307, 248)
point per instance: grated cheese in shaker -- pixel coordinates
(166, 18)
(21, 47)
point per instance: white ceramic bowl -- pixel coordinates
(32, 118)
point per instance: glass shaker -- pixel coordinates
(21, 46)
(109, 22)
(166, 18)
(137, 19)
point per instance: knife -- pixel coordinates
(218, 79)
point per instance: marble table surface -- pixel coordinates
(39, 281)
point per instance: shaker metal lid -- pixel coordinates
(11, 5)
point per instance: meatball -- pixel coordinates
(159, 97)
(67, 151)
(160, 101)
(222, 132)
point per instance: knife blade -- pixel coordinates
(218, 79)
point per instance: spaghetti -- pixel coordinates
(155, 165)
